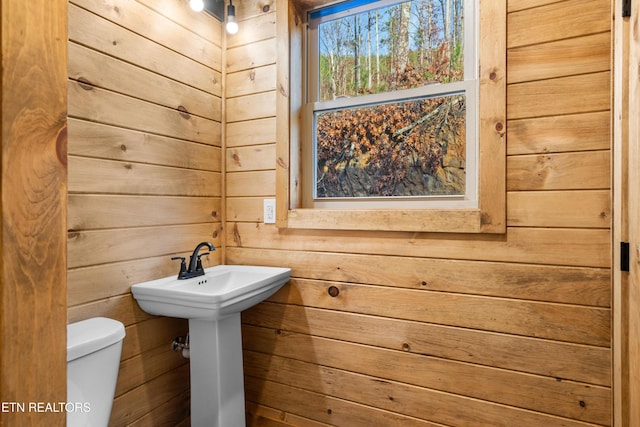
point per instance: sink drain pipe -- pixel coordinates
(181, 344)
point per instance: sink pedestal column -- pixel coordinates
(217, 381)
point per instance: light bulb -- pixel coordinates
(197, 5)
(232, 27)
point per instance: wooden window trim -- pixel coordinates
(489, 217)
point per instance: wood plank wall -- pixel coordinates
(441, 329)
(33, 192)
(144, 179)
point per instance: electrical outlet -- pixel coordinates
(269, 211)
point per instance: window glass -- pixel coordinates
(391, 94)
(399, 46)
(413, 148)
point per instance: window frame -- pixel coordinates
(490, 214)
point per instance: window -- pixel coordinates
(390, 105)
(397, 127)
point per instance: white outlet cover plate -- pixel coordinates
(269, 211)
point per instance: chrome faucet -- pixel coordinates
(195, 263)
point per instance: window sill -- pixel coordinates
(413, 220)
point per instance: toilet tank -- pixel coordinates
(93, 359)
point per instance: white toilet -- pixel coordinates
(93, 359)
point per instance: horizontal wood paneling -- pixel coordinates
(353, 381)
(90, 31)
(174, 412)
(160, 28)
(97, 69)
(434, 329)
(582, 325)
(107, 280)
(115, 143)
(250, 8)
(336, 377)
(145, 179)
(142, 400)
(261, 157)
(566, 57)
(150, 334)
(133, 243)
(557, 20)
(243, 133)
(99, 105)
(147, 366)
(563, 95)
(577, 209)
(258, 415)
(251, 106)
(557, 246)
(201, 24)
(581, 363)
(572, 132)
(570, 285)
(255, 80)
(97, 211)
(254, 28)
(563, 171)
(243, 184)
(106, 176)
(251, 55)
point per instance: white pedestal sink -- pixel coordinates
(213, 303)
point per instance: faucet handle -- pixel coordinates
(183, 264)
(199, 261)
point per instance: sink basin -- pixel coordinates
(222, 291)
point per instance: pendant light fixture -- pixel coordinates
(232, 25)
(196, 5)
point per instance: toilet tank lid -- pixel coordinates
(88, 336)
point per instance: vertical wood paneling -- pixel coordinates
(145, 173)
(33, 195)
(417, 290)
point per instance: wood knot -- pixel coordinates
(183, 112)
(61, 145)
(236, 235)
(493, 75)
(214, 214)
(282, 163)
(84, 83)
(266, 8)
(333, 291)
(283, 91)
(252, 75)
(236, 158)
(123, 148)
(499, 126)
